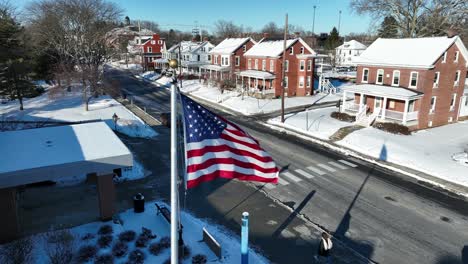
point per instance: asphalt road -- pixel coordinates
(385, 216)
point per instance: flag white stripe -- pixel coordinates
(228, 154)
(244, 139)
(229, 167)
(220, 142)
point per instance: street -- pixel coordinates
(384, 216)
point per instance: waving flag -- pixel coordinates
(217, 148)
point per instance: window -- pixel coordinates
(150, 49)
(457, 78)
(264, 65)
(433, 104)
(396, 78)
(301, 82)
(256, 64)
(291, 50)
(413, 80)
(225, 61)
(153, 42)
(302, 65)
(309, 81)
(309, 65)
(216, 59)
(272, 65)
(286, 66)
(302, 50)
(286, 82)
(444, 59)
(452, 103)
(209, 57)
(392, 104)
(198, 57)
(250, 64)
(365, 75)
(436, 79)
(349, 52)
(244, 48)
(429, 124)
(456, 56)
(380, 74)
(237, 61)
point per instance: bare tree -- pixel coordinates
(272, 30)
(226, 29)
(76, 31)
(150, 25)
(417, 17)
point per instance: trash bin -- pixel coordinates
(138, 203)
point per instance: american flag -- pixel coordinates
(217, 148)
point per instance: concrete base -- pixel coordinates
(9, 227)
(106, 195)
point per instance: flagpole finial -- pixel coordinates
(173, 63)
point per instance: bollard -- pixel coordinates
(245, 238)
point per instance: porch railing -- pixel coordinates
(390, 114)
(350, 107)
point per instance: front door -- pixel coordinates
(377, 103)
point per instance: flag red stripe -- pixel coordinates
(202, 151)
(229, 175)
(237, 132)
(235, 140)
(246, 165)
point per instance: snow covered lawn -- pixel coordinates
(429, 151)
(69, 107)
(249, 105)
(320, 124)
(101, 239)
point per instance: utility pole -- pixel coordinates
(313, 22)
(339, 22)
(283, 83)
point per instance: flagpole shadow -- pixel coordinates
(293, 215)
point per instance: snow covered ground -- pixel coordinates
(158, 225)
(429, 151)
(69, 107)
(320, 124)
(249, 105)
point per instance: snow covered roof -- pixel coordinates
(273, 48)
(42, 154)
(214, 67)
(383, 91)
(409, 52)
(230, 45)
(352, 45)
(257, 74)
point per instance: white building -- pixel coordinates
(194, 55)
(346, 52)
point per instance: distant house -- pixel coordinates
(415, 82)
(263, 71)
(147, 49)
(194, 55)
(347, 52)
(227, 58)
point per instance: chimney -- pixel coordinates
(451, 33)
(297, 34)
(266, 35)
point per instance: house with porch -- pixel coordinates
(414, 82)
(263, 72)
(193, 55)
(227, 58)
(147, 49)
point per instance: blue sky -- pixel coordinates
(181, 14)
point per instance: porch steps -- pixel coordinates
(343, 132)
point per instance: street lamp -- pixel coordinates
(115, 118)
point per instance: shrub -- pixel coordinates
(104, 241)
(127, 236)
(393, 128)
(343, 117)
(157, 247)
(148, 233)
(119, 249)
(105, 230)
(165, 242)
(136, 257)
(18, 251)
(184, 252)
(87, 236)
(199, 259)
(86, 253)
(104, 259)
(60, 246)
(142, 241)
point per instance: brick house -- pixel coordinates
(416, 82)
(227, 58)
(263, 70)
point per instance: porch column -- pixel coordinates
(384, 108)
(405, 112)
(9, 227)
(343, 107)
(199, 74)
(106, 195)
(361, 101)
(248, 86)
(242, 81)
(210, 73)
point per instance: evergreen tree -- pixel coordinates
(333, 40)
(127, 21)
(388, 28)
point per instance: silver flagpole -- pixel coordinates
(174, 176)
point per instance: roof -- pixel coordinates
(274, 47)
(230, 45)
(352, 45)
(383, 91)
(214, 67)
(409, 52)
(42, 154)
(257, 74)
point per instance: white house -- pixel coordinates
(194, 55)
(346, 52)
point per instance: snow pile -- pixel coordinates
(429, 151)
(150, 75)
(320, 123)
(70, 108)
(88, 235)
(462, 158)
(247, 105)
